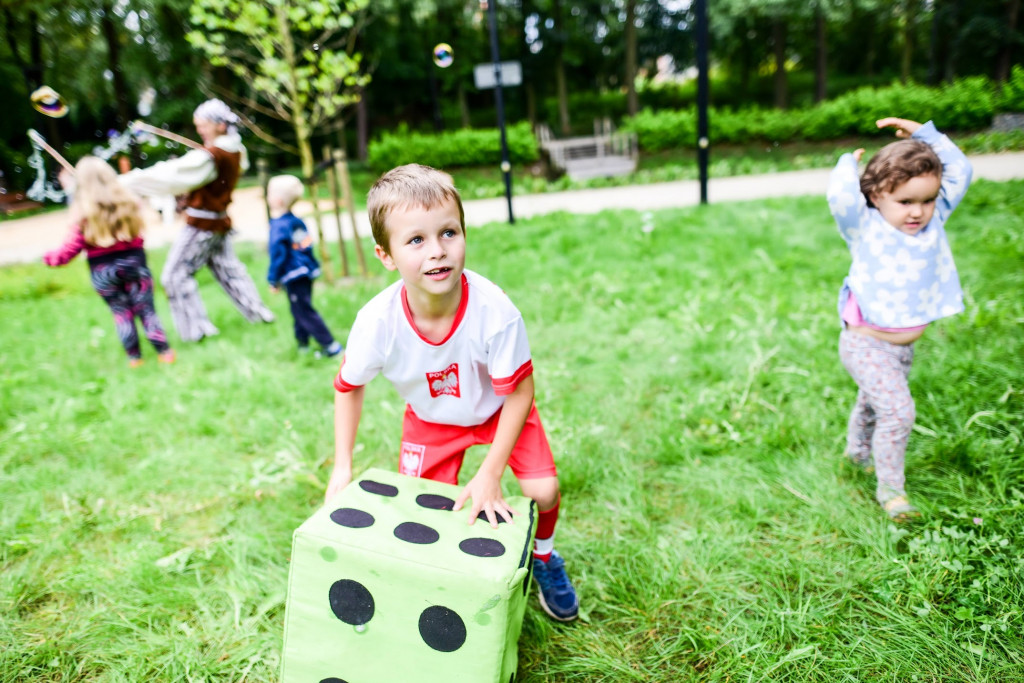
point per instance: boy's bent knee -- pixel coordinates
(543, 491)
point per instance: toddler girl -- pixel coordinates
(902, 278)
(108, 226)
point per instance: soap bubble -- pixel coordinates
(443, 55)
(47, 101)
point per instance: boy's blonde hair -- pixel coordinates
(110, 212)
(896, 163)
(412, 185)
(287, 188)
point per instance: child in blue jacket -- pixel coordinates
(293, 265)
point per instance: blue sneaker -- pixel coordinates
(331, 351)
(557, 596)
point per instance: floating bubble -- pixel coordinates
(146, 100)
(443, 55)
(47, 101)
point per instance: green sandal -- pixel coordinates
(899, 509)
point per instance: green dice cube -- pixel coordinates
(388, 584)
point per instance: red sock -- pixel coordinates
(543, 543)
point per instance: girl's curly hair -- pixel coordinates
(895, 164)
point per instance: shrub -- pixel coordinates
(1010, 97)
(967, 104)
(466, 147)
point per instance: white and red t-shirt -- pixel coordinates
(460, 381)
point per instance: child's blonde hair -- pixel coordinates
(110, 212)
(896, 163)
(286, 188)
(412, 185)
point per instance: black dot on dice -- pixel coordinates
(352, 518)
(351, 602)
(412, 532)
(378, 488)
(434, 502)
(483, 516)
(442, 629)
(482, 547)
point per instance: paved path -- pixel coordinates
(26, 239)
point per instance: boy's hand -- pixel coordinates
(485, 491)
(904, 127)
(274, 289)
(857, 154)
(339, 479)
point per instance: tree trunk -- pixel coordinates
(870, 49)
(1005, 59)
(933, 45)
(907, 58)
(953, 54)
(563, 95)
(779, 49)
(109, 29)
(32, 70)
(460, 93)
(821, 57)
(632, 103)
(362, 126)
(531, 104)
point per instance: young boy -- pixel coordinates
(455, 348)
(293, 265)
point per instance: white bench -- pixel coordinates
(602, 155)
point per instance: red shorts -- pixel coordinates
(435, 451)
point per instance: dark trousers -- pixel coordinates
(307, 321)
(127, 286)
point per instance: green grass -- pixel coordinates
(688, 378)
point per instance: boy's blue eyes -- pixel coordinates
(446, 233)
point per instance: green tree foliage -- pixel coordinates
(297, 58)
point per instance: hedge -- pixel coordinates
(967, 104)
(466, 147)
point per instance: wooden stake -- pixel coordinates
(332, 181)
(345, 185)
(325, 260)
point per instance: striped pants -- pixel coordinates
(191, 251)
(127, 286)
(883, 415)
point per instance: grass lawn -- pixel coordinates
(687, 374)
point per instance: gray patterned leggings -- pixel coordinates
(884, 414)
(191, 251)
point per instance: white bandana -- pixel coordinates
(216, 111)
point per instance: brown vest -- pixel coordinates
(215, 195)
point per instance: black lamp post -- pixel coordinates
(506, 166)
(703, 142)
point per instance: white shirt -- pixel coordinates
(900, 281)
(460, 381)
(193, 169)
